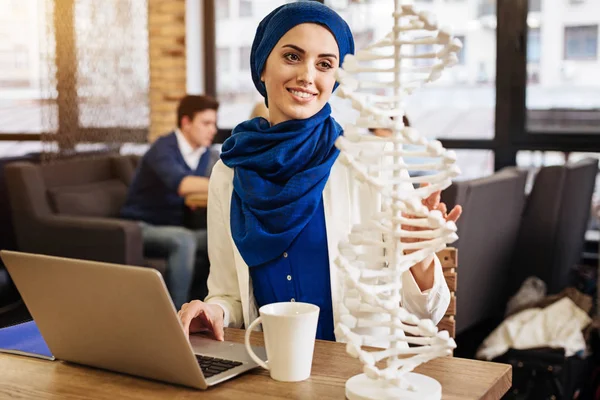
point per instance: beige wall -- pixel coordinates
(166, 29)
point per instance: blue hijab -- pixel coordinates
(280, 171)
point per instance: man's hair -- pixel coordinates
(192, 104)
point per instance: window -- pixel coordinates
(461, 104)
(581, 43)
(98, 90)
(235, 89)
(563, 85)
(422, 50)
(113, 76)
(535, 5)
(26, 81)
(224, 60)
(17, 149)
(463, 51)
(245, 58)
(363, 38)
(486, 8)
(222, 9)
(245, 8)
(534, 160)
(533, 45)
(474, 164)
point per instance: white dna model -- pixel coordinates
(380, 250)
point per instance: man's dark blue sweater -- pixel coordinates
(152, 196)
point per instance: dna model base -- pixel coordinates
(361, 387)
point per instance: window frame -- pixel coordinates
(511, 134)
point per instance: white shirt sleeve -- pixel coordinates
(223, 287)
(431, 303)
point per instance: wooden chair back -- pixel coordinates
(449, 260)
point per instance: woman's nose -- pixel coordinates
(306, 75)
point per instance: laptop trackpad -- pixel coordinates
(206, 346)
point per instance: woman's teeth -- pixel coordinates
(301, 94)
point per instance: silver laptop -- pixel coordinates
(119, 318)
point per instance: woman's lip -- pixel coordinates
(299, 99)
(302, 90)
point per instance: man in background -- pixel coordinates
(176, 165)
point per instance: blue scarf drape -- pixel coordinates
(279, 175)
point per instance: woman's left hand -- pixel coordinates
(423, 271)
(433, 202)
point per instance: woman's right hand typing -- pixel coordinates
(197, 316)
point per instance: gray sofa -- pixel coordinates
(70, 209)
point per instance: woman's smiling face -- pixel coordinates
(299, 74)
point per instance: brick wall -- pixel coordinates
(166, 30)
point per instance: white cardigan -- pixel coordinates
(346, 202)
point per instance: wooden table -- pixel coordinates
(27, 378)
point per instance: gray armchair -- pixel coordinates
(70, 209)
(487, 230)
(9, 297)
(552, 230)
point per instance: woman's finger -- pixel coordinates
(190, 312)
(186, 319)
(433, 200)
(454, 214)
(443, 209)
(218, 329)
(204, 317)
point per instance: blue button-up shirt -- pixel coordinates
(300, 274)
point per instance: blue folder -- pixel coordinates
(24, 339)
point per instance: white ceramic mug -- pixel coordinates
(289, 329)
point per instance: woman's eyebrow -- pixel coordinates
(301, 51)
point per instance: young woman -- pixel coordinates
(279, 203)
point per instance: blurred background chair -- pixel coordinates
(487, 229)
(552, 230)
(12, 309)
(70, 209)
(124, 167)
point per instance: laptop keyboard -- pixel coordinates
(211, 366)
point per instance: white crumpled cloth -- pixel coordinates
(558, 326)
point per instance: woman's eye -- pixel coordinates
(292, 57)
(325, 64)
